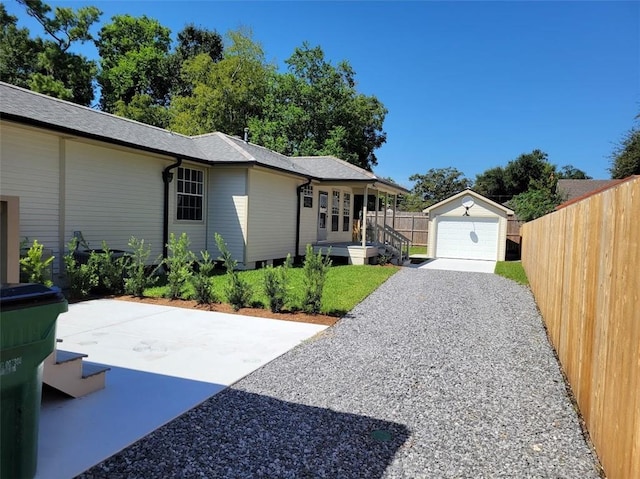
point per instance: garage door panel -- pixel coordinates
(467, 238)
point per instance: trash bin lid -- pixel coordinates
(17, 294)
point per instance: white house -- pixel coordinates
(66, 168)
(468, 225)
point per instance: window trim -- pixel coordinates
(346, 211)
(191, 182)
(335, 210)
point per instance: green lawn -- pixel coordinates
(512, 270)
(346, 286)
(417, 250)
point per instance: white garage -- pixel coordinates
(468, 226)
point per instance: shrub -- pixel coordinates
(81, 277)
(275, 285)
(179, 263)
(138, 279)
(238, 291)
(315, 274)
(201, 280)
(36, 269)
(110, 270)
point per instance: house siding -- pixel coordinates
(112, 195)
(272, 215)
(31, 170)
(228, 210)
(309, 220)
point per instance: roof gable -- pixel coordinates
(469, 192)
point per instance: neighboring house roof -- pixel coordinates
(472, 193)
(570, 189)
(24, 106)
(604, 185)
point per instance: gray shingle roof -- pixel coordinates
(19, 104)
(571, 189)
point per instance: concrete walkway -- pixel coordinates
(468, 265)
(164, 362)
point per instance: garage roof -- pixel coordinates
(469, 192)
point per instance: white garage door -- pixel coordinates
(467, 238)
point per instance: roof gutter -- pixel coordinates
(167, 176)
(298, 218)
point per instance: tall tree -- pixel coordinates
(134, 68)
(438, 184)
(625, 159)
(491, 184)
(47, 65)
(519, 173)
(225, 94)
(569, 172)
(315, 109)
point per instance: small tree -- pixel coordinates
(137, 277)
(110, 270)
(179, 263)
(275, 285)
(37, 269)
(81, 277)
(201, 280)
(238, 290)
(315, 274)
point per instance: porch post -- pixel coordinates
(377, 208)
(363, 226)
(384, 217)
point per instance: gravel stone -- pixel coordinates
(437, 374)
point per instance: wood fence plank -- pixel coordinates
(583, 264)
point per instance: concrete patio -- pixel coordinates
(164, 361)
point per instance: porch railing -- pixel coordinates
(390, 238)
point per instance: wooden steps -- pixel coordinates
(67, 372)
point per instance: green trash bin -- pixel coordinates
(28, 314)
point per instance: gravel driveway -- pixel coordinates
(438, 374)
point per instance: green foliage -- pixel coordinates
(275, 285)
(625, 159)
(535, 203)
(225, 94)
(315, 269)
(225, 255)
(512, 270)
(110, 270)
(203, 290)
(491, 184)
(315, 109)
(412, 202)
(438, 184)
(239, 292)
(46, 65)
(179, 263)
(35, 268)
(138, 279)
(81, 278)
(133, 58)
(569, 172)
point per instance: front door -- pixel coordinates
(323, 205)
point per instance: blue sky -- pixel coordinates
(470, 85)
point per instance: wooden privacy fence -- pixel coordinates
(583, 264)
(412, 225)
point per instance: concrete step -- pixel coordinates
(67, 372)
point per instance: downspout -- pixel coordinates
(298, 219)
(167, 176)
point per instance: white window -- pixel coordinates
(346, 211)
(190, 197)
(335, 211)
(307, 196)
